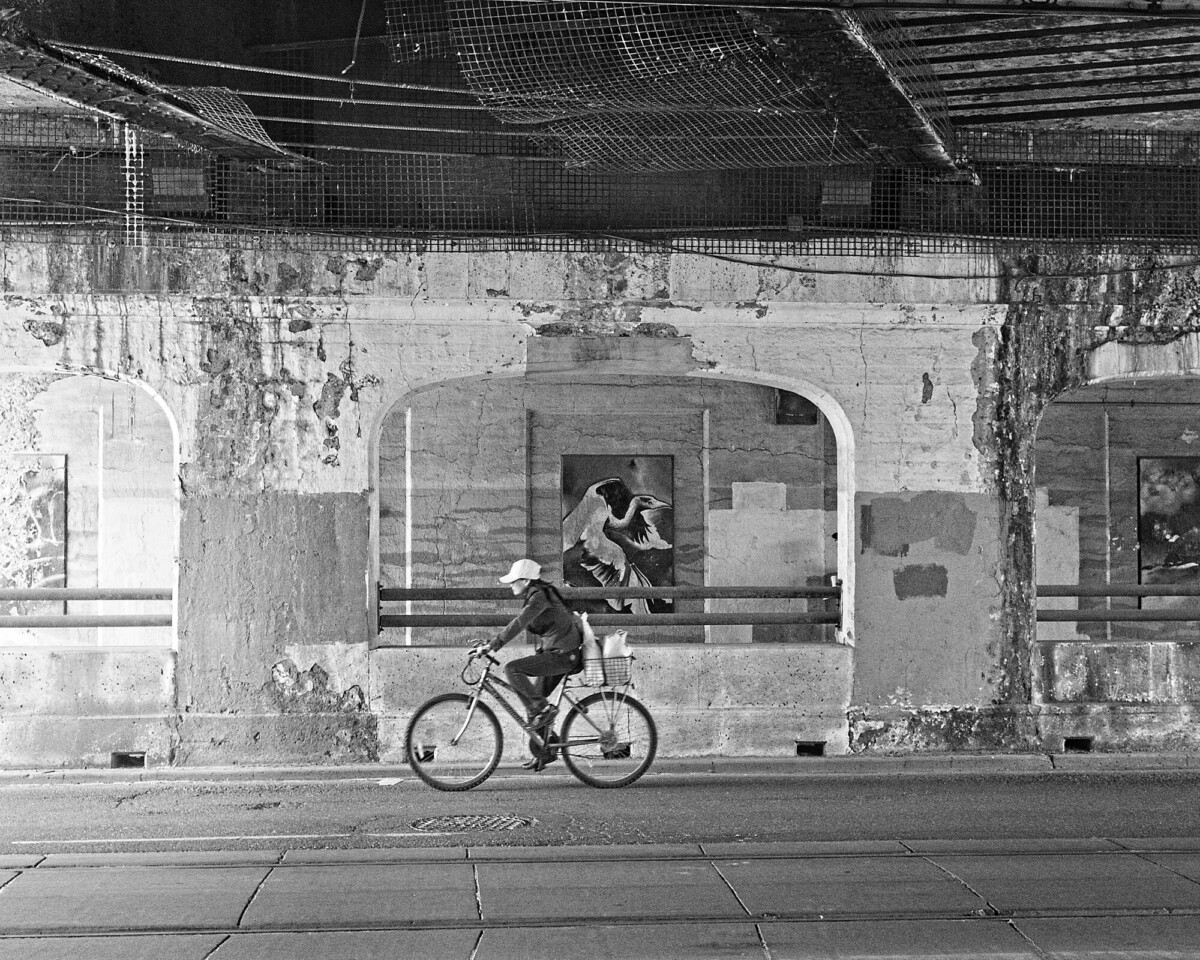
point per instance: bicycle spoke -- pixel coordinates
(610, 739)
(451, 748)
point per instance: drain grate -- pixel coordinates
(465, 824)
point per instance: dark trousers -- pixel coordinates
(535, 677)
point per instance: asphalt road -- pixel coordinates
(554, 810)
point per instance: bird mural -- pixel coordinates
(614, 537)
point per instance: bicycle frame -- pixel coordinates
(494, 686)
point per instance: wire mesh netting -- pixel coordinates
(417, 29)
(94, 173)
(641, 87)
(910, 69)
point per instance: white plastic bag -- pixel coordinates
(616, 645)
(591, 646)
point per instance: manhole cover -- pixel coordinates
(463, 824)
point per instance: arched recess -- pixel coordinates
(1117, 503)
(89, 477)
(89, 472)
(468, 475)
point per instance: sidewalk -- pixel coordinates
(1016, 900)
(840, 766)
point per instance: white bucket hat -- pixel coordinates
(522, 570)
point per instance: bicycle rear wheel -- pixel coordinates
(449, 751)
(608, 739)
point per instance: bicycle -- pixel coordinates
(454, 740)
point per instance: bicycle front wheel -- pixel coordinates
(608, 739)
(450, 748)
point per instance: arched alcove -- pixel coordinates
(88, 473)
(1118, 505)
(472, 473)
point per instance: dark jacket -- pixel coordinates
(553, 626)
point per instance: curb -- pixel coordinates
(855, 766)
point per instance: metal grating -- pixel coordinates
(466, 823)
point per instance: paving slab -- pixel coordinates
(364, 894)
(127, 898)
(1187, 864)
(375, 855)
(17, 861)
(164, 858)
(1115, 938)
(1085, 882)
(351, 945)
(805, 848)
(144, 947)
(1140, 844)
(1006, 845)
(615, 851)
(604, 891)
(854, 886)
(667, 941)
(897, 940)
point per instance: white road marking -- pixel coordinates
(266, 836)
(390, 781)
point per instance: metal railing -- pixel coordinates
(63, 594)
(1117, 614)
(698, 618)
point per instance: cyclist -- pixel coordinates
(558, 641)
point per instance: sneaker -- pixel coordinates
(543, 717)
(538, 764)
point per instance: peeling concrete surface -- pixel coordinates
(278, 366)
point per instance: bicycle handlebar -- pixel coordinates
(483, 654)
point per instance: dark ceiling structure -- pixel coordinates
(782, 120)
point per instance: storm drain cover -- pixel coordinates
(463, 824)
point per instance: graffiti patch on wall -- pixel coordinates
(33, 535)
(618, 526)
(1169, 519)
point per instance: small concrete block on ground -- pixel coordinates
(127, 898)
(602, 891)
(364, 894)
(145, 947)
(668, 941)
(867, 886)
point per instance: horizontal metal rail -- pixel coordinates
(1118, 590)
(87, 620)
(615, 593)
(69, 620)
(1117, 614)
(691, 619)
(609, 619)
(86, 593)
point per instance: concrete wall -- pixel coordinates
(282, 370)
